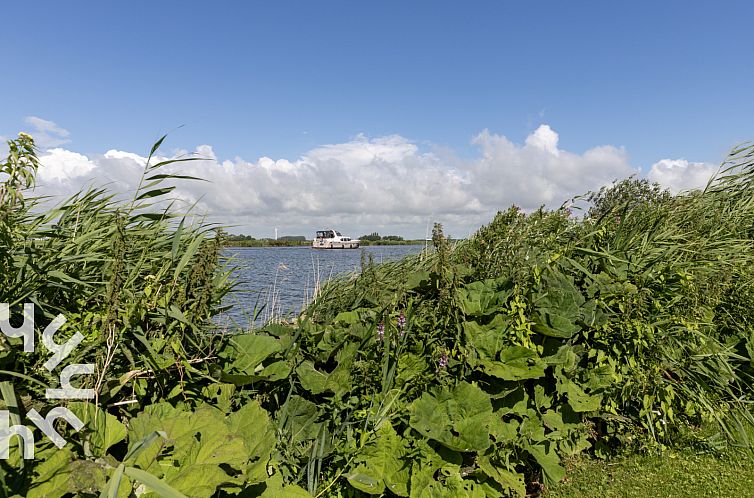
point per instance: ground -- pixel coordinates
(677, 474)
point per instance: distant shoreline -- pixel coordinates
(306, 243)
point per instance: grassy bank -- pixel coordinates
(674, 474)
(523, 359)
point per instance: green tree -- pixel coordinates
(373, 237)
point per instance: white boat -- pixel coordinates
(332, 239)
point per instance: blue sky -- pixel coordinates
(663, 80)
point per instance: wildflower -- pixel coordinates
(401, 323)
(380, 331)
(568, 212)
(443, 361)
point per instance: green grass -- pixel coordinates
(672, 474)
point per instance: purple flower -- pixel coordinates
(380, 331)
(443, 362)
(401, 322)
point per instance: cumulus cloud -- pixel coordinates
(539, 172)
(46, 133)
(60, 165)
(679, 175)
(386, 184)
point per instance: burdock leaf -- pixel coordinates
(458, 419)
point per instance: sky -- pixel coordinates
(379, 116)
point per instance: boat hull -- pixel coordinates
(334, 245)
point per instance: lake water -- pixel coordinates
(280, 280)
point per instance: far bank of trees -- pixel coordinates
(375, 237)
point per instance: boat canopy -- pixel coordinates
(327, 234)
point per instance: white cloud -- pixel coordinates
(386, 184)
(46, 133)
(544, 138)
(539, 172)
(679, 174)
(60, 165)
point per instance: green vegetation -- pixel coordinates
(375, 239)
(488, 367)
(390, 242)
(677, 474)
(249, 241)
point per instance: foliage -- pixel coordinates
(473, 370)
(376, 237)
(628, 194)
(249, 241)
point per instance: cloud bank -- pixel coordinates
(386, 184)
(680, 175)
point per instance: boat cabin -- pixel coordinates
(332, 239)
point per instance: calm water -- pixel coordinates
(281, 280)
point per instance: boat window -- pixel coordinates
(338, 234)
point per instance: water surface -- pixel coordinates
(278, 281)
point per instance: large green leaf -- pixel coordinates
(311, 379)
(382, 465)
(338, 381)
(104, 430)
(157, 485)
(557, 306)
(516, 363)
(298, 419)
(509, 480)
(250, 350)
(198, 480)
(548, 460)
(52, 474)
(206, 449)
(459, 419)
(254, 426)
(275, 488)
(483, 297)
(579, 400)
(487, 339)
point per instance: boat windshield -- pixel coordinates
(338, 234)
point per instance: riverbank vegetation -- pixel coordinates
(249, 241)
(483, 368)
